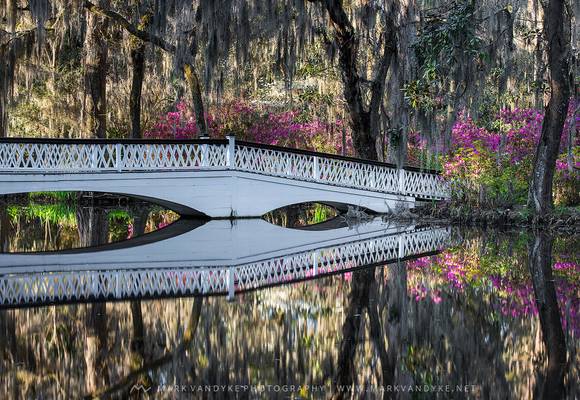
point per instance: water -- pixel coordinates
(460, 315)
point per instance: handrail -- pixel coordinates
(63, 141)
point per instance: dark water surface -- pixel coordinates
(489, 315)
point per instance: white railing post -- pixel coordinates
(315, 169)
(230, 283)
(288, 165)
(401, 253)
(204, 160)
(231, 152)
(401, 181)
(118, 159)
(315, 263)
(93, 152)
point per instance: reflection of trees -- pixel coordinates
(366, 330)
(358, 300)
(93, 227)
(54, 226)
(140, 375)
(540, 263)
(4, 221)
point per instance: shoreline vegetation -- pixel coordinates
(561, 220)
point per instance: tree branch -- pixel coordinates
(132, 29)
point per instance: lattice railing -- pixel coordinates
(47, 156)
(92, 157)
(54, 287)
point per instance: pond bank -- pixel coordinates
(561, 220)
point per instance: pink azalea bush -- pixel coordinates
(261, 124)
(491, 167)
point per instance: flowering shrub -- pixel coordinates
(178, 124)
(255, 123)
(487, 167)
(492, 167)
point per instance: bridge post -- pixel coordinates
(118, 159)
(401, 252)
(401, 181)
(315, 169)
(93, 153)
(230, 284)
(315, 264)
(231, 152)
(204, 154)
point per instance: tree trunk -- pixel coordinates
(102, 11)
(7, 53)
(538, 62)
(138, 66)
(3, 97)
(96, 51)
(365, 118)
(196, 98)
(540, 264)
(93, 227)
(557, 28)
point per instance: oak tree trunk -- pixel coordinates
(194, 87)
(191, 76)
(96, 74)
(138, 67)
(557, 29)
(8, 57)
(364, 115)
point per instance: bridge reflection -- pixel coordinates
(216, 258)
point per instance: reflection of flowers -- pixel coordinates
(513, 298)
(518, 299)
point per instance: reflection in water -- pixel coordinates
(540, 260)
(438, 320)
(301, 215)
(67, 220)
(495, 316)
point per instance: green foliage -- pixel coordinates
(66, 197)
(59, 213)
(445, 41)
(118, 223)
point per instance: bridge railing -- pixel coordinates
(340, 171)
(57, 155)
(50, 287)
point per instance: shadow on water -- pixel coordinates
(494, 316)
(306, 215)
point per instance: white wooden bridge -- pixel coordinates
(213, 259)
(216, 178)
